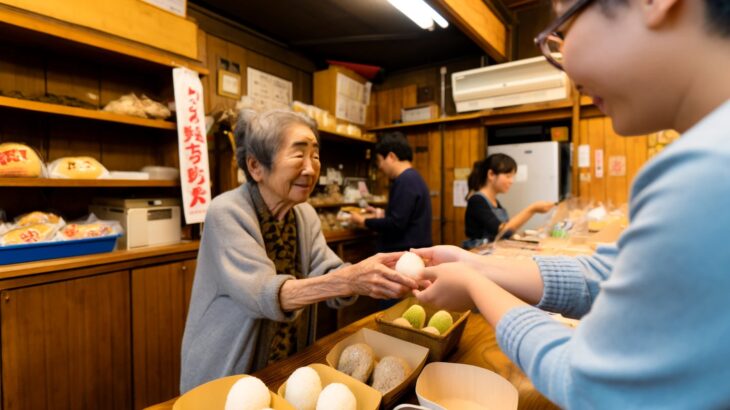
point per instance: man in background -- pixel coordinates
(406, 221)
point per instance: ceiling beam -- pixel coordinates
(475, 19)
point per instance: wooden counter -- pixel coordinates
(478, 347)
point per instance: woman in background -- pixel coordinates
(485, 216)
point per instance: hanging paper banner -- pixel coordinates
(192, 144)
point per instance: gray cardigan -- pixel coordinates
(236, 286)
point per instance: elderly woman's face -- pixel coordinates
(295, 169)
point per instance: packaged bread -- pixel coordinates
(29, 234)
(19, 160)
(153, 109)
(37, 217)
(80, 231)
(127, 104)
(77, 168)
(91, 227)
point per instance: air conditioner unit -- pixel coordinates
(515, 83)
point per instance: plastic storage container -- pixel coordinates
(50, 250)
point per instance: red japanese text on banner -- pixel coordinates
(192, 144)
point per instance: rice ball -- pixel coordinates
(303, 388)
(336, 396)
(410, 264)
(248, 393)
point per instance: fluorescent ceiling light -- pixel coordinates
(420, 13)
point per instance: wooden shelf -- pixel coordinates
(75, 262)
(57, 109)
(336, 134)
(37, 29)
(86, 183)
(506, 115)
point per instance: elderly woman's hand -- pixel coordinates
(376, 278)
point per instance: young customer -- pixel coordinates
(655, 318)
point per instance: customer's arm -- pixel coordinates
(657, 326)
(524, 215)
(540, 281)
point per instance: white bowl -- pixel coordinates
(444, 386)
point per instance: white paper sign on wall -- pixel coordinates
(192, 144)
(599, 163)
(584, 156)
(461, 189)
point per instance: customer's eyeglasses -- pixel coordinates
(550, 40)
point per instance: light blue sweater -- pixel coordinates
(655, 328)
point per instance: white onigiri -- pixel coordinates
(248, 393)
(303, 388)
(336, 396)
(410, 264)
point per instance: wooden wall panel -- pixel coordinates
(464, 144)
(58, 353)
(217, 48)
(388, 104)
(612, 189)
(160, 299)
(21, 71)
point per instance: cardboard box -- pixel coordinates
(422, 112)
(439, 345)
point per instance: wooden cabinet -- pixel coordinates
(66, 345)
(95, 332)
(160, 299)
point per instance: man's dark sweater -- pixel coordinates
(407, 221)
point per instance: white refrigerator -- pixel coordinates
(543, 174)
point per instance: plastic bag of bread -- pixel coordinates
(77, 168)
(127, 104)
(19, 160)
(29, 234)
(37, 217)
(91, 227)
(153, 109)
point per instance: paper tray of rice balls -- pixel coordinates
(424, 325)
(239, 392)
(320, 387)
(387, 364)
(44, 235)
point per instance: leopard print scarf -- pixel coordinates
(280, 238)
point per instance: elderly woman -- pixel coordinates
(263, 260)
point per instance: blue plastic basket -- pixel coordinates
(29, 252)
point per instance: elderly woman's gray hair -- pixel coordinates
(260, 135)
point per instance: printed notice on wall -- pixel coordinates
(584, 156)
(599, 163)
(461, 189)
(173, 6)
(617, 165)
(268, 92)
(192, 144)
